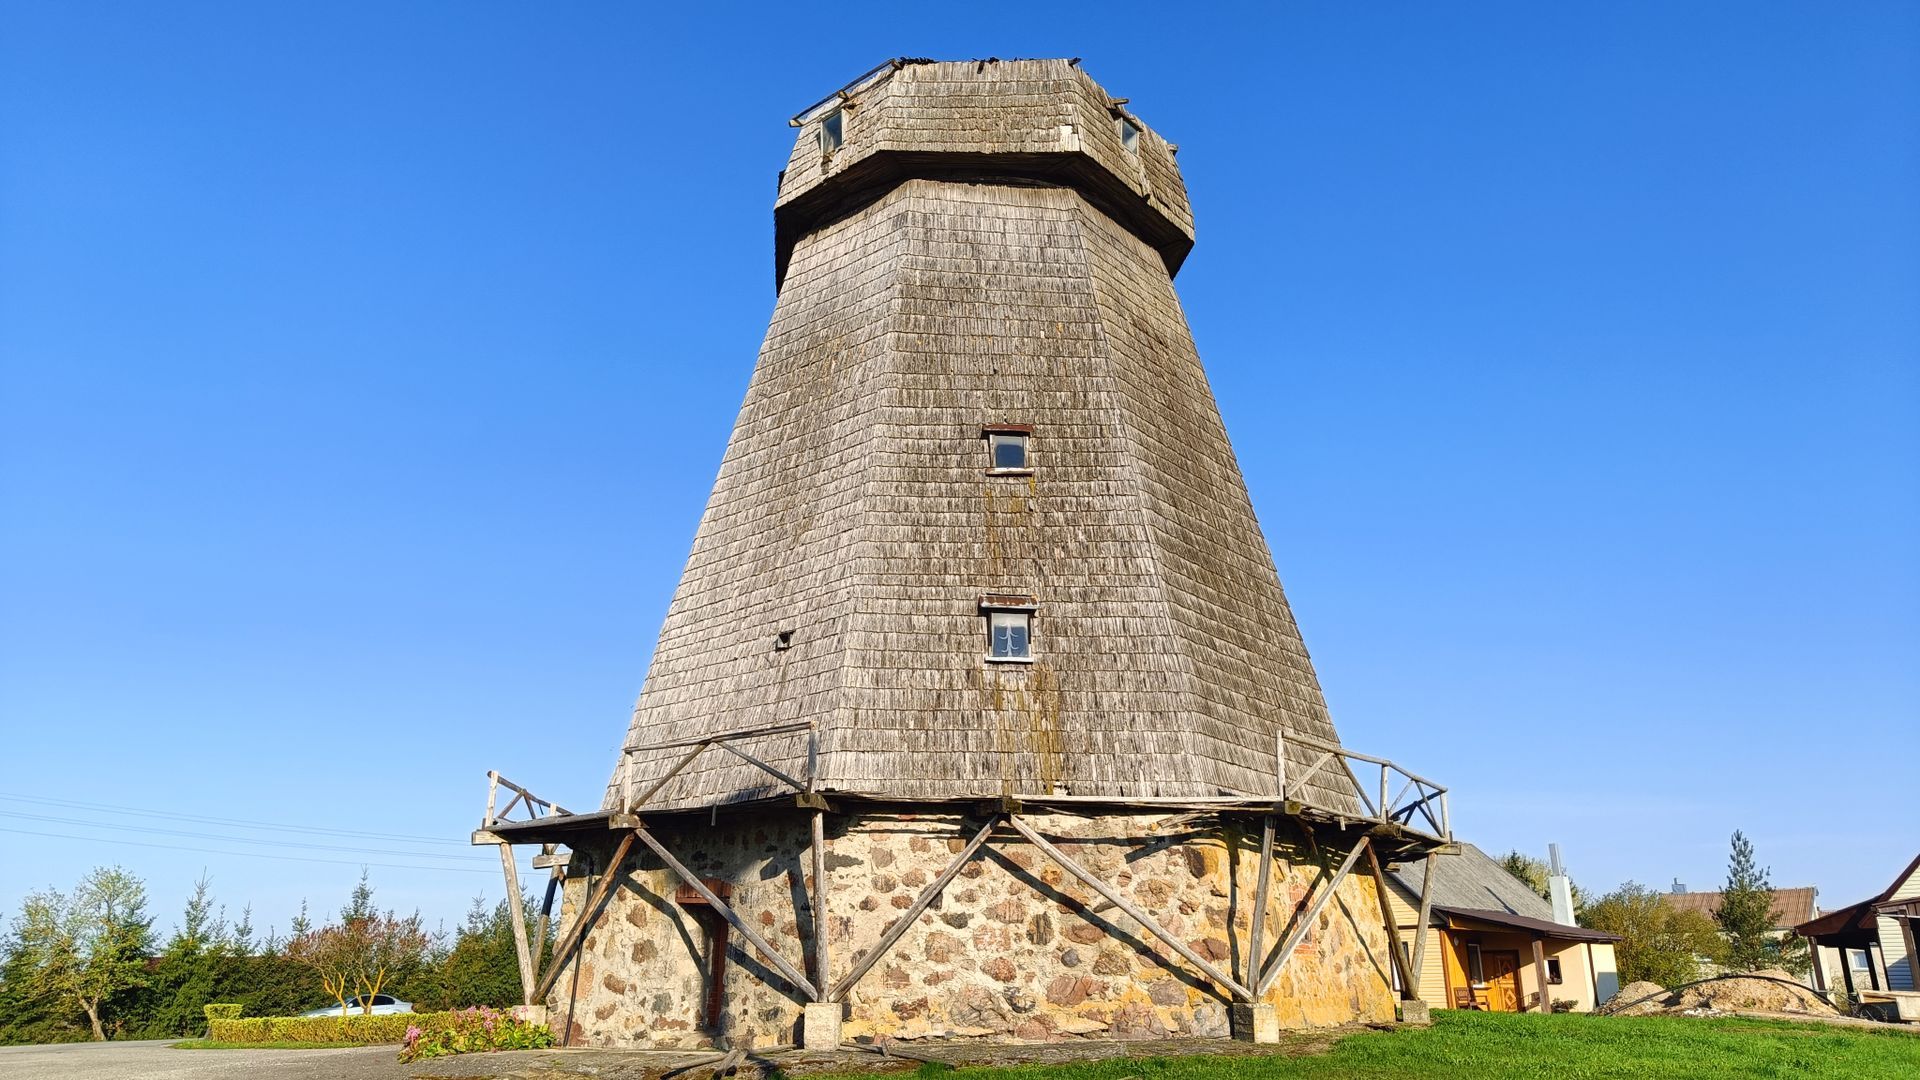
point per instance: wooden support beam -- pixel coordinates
(1260, 893)
(725, 911)
(723, 736)
(907, 917)
(1133, 911)
(1423, 920)
(517, 912)
(1324, 757)
(595, 898)
(1305, 924)
(1408, 991)
(820, 963)
(633, 804)
(546, 916)
(1540, 976)
(762, 766)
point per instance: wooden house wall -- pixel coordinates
(1894, 948)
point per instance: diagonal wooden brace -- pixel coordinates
(907, 917)
(1408, 989)
(1305, 924)
(563, 951)
(1260, 892)
(1133, 910)
(517, 918)
(692, 881)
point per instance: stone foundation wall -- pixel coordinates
(1015, 949)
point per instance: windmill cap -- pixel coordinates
(1042, 121)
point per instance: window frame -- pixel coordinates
(1129, 132)
(1554, 977)
(992, 604)
(1476, 967)
(1024, 432)
(832, 139)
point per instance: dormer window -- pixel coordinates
(1009, 449)
(833, 131)
(1009, 621)
(1129, 134)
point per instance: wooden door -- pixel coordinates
(1502, 972)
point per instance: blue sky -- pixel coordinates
(364, 369)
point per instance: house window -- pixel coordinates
(1009, 449)
(1475, 973)
(1129, 134)
(833, 132)
(1860, 971)
(1009, 622)
(1553, 970)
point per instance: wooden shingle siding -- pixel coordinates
(853, 507)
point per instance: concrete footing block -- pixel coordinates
(1255, 1023)
(1415, 1013)
(820, 1026)
(532, 1014)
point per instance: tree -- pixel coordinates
(189, 971)
(365, 951)
(1745, 917)
(1534, 872)
(483, 967)
(332, 953)
(85, 948)
(1658, 942)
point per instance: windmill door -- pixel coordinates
(1503, 980)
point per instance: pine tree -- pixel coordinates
(1746, 911)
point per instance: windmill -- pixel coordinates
(980, 709)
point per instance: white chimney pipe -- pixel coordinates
(1559, 887)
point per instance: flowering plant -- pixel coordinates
(474, 1030)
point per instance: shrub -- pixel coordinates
(222, 1010)
(356, 1028)
(474, 1030)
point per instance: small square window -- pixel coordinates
(1129, 134)
(1010, 635)
(1009, 449)
(832, 131)
(1553, 970)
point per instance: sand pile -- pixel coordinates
(1725, 995)
(1622, 1003)
(1755, 995)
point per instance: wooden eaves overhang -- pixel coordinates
(1487, 919)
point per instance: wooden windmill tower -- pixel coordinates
(979, 709)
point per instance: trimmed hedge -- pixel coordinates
(222, 1010)
(357, 1028)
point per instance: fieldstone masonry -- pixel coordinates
(1015, 948)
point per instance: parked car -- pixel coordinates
(383, 1004)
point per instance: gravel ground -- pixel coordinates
(160, 1061)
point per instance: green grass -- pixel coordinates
(214, 1044)
(1488, 1046)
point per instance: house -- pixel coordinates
(1869, 949)
(1791, 907)
(1491, 939)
